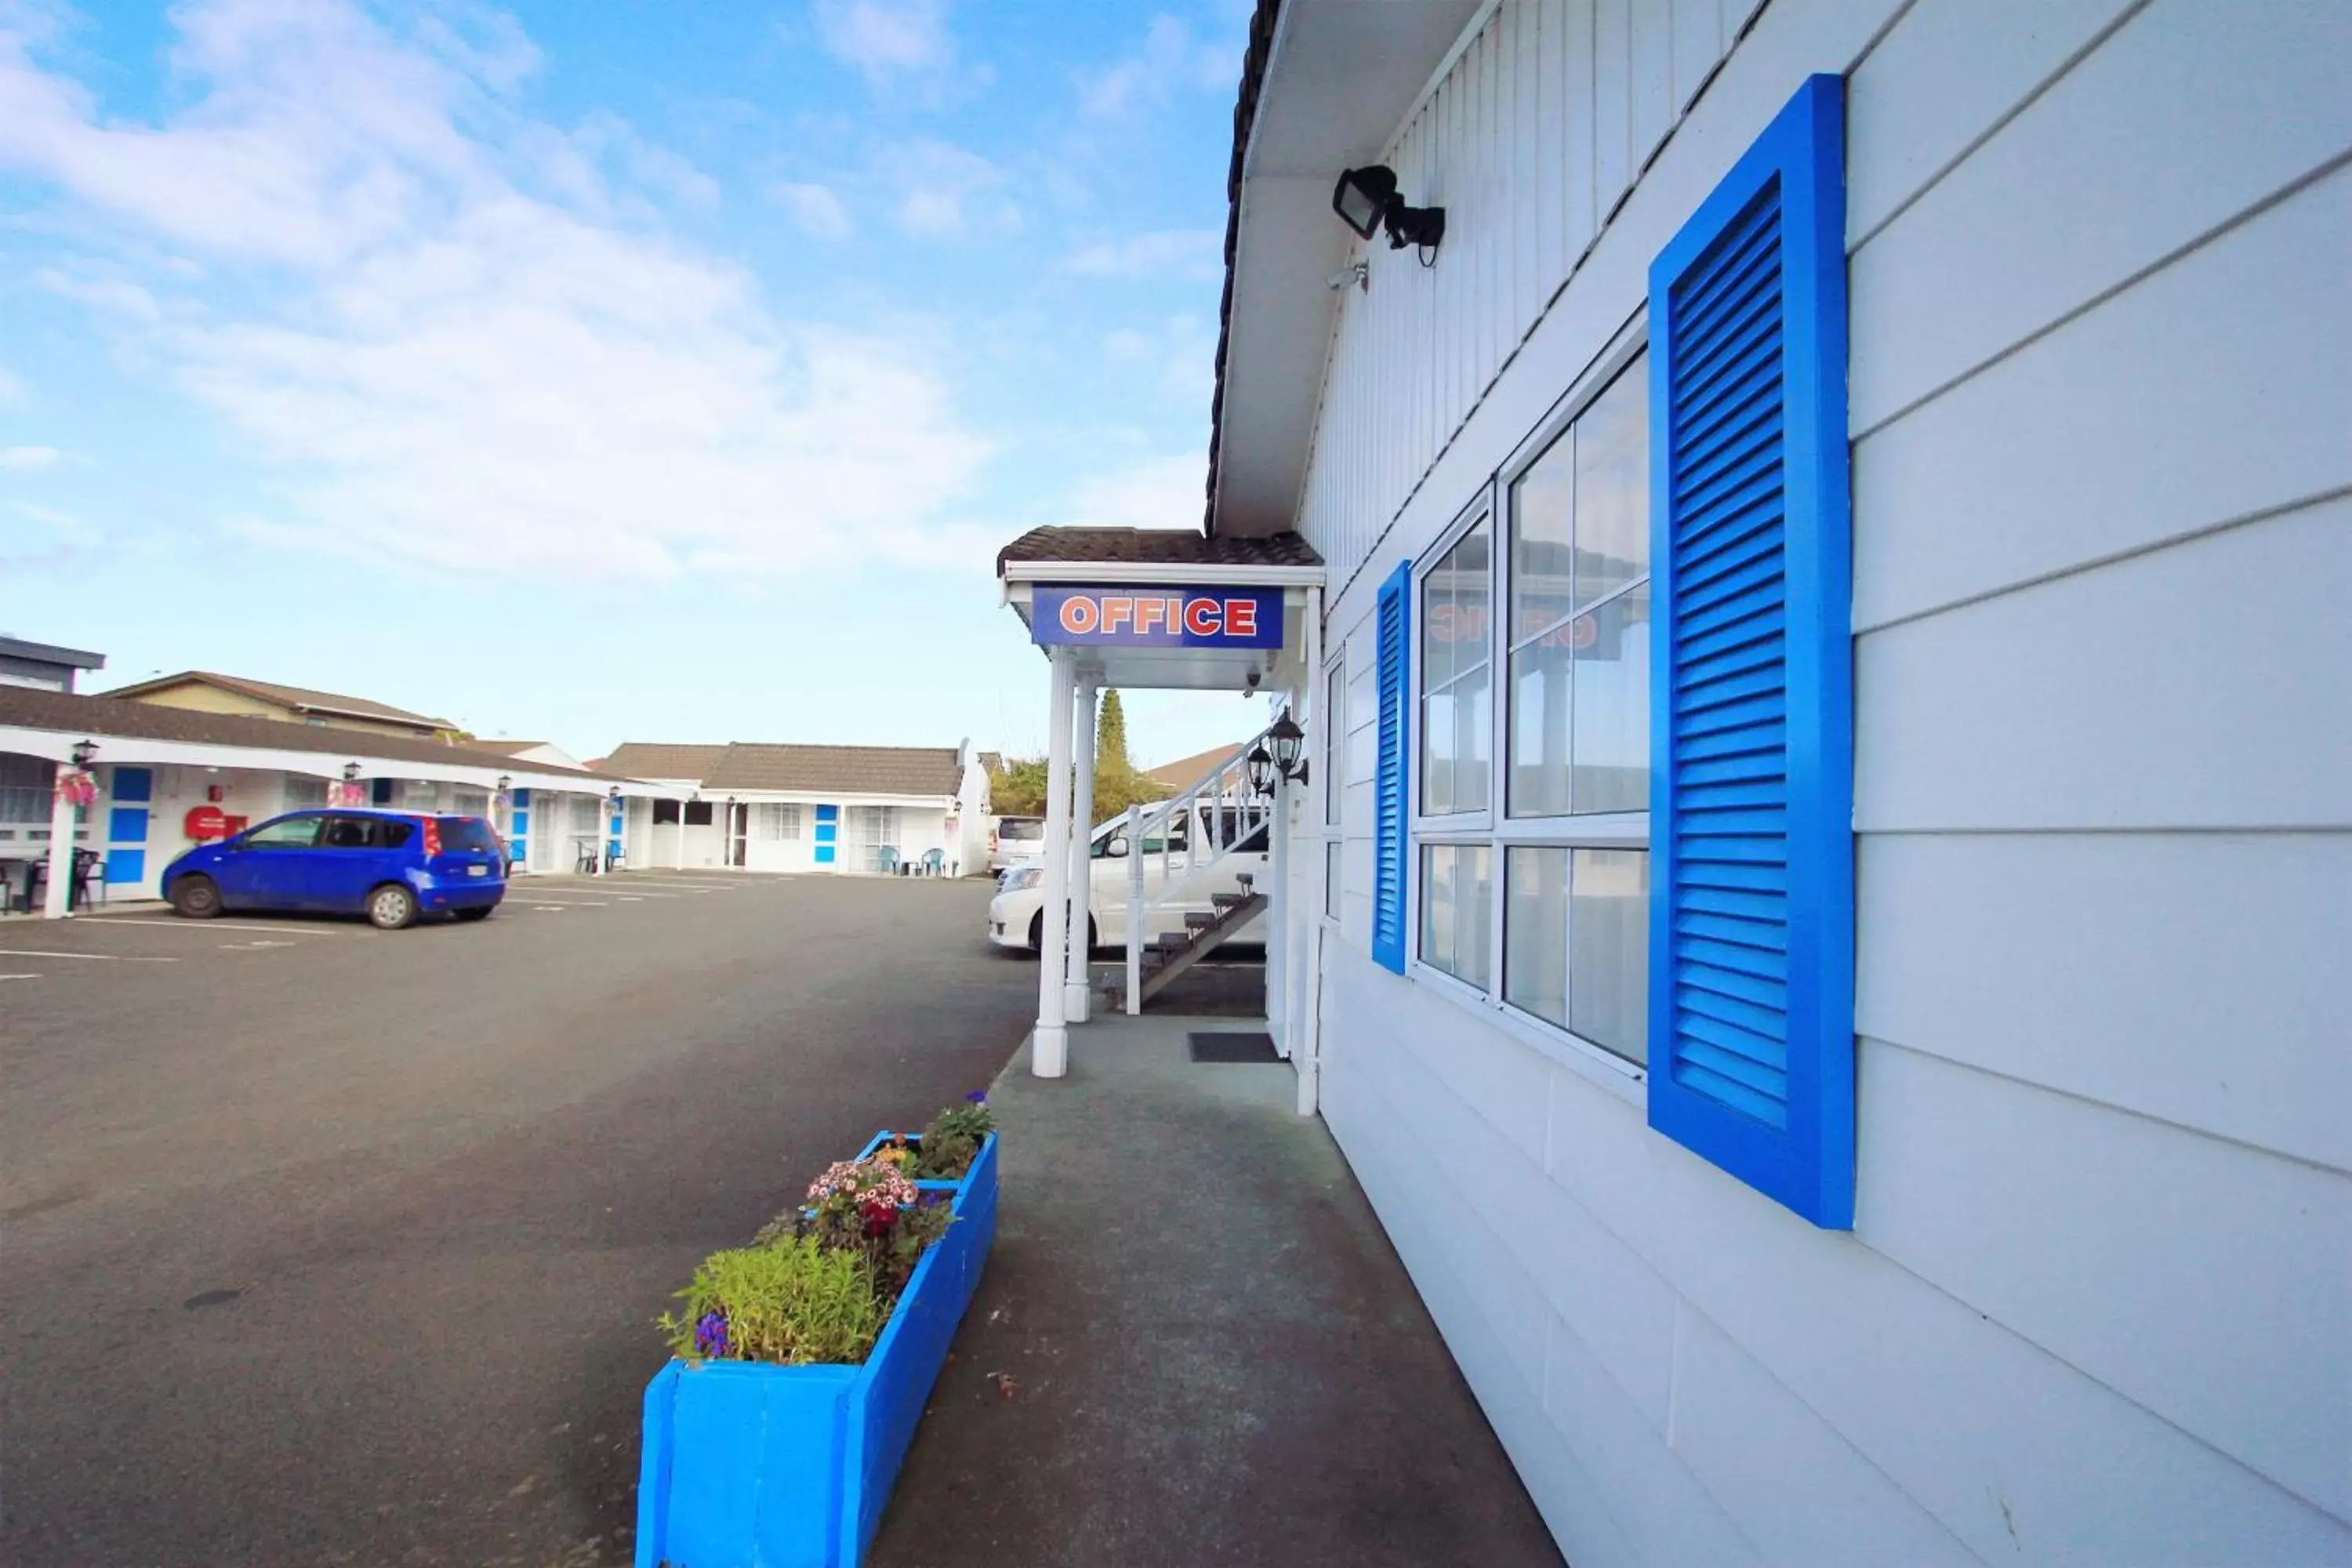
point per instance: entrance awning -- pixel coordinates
(1148, 577)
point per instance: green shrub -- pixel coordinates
(953, 1141)
(792, 1302)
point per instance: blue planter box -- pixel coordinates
(750, 1466)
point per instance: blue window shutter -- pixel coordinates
(1751, 915)
(1389, 780)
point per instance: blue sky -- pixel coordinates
(601, 372)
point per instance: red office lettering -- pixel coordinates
(1201, 618)
(1240, 618)
(1117, 610)
(1079, 614)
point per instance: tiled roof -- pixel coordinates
(654, 760)
(299, 699)
(1154, 547)
(98, 717)
(845, 770)
(503, 746)
(1185, 771)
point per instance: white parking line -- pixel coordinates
(585, 887)
(19, 977)
(100, 957)
(199, 927)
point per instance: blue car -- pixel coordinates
(391, 866)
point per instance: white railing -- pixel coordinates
(1218, 813)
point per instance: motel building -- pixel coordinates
(849, 810)
(163, 778)
(1803, 545)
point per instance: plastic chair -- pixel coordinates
(935, 861)
(885, 859)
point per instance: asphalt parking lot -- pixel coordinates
(326, 1244)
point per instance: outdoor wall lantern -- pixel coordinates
(1289, 742)
(1259, 764)
(84, 751)
(506, 781)
(613, 797)
(351, 773)
(1366, 198)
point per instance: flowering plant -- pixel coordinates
(953, 1141)
(76, 787)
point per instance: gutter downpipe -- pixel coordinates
(1049, 1055)
(1307, 1052)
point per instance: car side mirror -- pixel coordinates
(1117, 849)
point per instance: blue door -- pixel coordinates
(354, 854)
(270, 868)
(828, 832)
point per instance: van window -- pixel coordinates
(1026, 828)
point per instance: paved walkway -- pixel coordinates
(1194, 1345)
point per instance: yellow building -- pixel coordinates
(203, 691)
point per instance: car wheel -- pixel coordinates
(391, 907)
(1037, 934)
(196, 897)
(481, 913)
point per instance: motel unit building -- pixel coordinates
(1816, 916)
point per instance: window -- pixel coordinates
(584, 811)
(698, 813)
(302, 793)
(873, 829)
(666, 814)
(1456, 708)
(27, 786)
(1580, 694)
(780, 823)
(1334, 745)
(1534, 878)
(287, 833)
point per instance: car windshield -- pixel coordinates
(468, 833)
(1021, 827)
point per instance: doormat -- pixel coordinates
(1230, 1046)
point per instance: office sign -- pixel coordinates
(1137, 616)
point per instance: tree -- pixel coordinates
(1018, 788)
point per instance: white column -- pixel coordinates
(1077, 987)
(1050, 1053)
(56, 901)
(1135, 908)
(677, 851)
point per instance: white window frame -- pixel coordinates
(1333, 715)
(1492, 825)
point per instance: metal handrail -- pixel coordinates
(1235, 813)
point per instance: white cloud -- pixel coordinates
(1180, 350)
(440, 367)
(815, 208)
(1159, 492)
(1184, 252)
(650, 167)
(951, 191)
(1169, 61)
(27, 460)
(885, 36)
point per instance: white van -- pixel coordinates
(1015, 916)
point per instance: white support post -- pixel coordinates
(1306, 1049)
(1049, 1054)
(1278, 917)
(1135, 906)
(56, 901)
(1076, 989)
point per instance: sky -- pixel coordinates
(593, 373)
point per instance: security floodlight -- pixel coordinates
(1367, 199)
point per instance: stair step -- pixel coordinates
(1198, 921)
(1226, 900)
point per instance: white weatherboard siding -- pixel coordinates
(2093, 1307)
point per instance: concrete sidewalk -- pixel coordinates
(1194, 1345)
